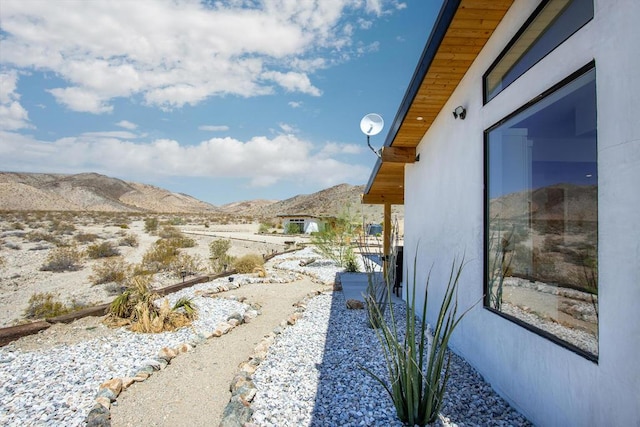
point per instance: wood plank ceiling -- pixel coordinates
(463, 28)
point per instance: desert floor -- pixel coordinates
(22, 256)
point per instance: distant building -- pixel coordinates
(302, 223)
(518, 145)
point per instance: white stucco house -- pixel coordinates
(307, 224)
(518, 145)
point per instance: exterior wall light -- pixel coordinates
(460, 111)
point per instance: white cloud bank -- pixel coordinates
(13, 116)
(261, 161)
(175, 52)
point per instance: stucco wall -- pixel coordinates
(549, 384)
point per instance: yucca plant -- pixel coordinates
(136, 308)
(417, 362)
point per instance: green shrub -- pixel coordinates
(418, 369)
(170, 232)
(264, 227)
(43, 305)
(111, 270)
(63, 259)
(248, 263)
(218, 254)
(160, 256)
(190, 265)
(102, 250)
(151, 225)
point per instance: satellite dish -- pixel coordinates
(371, 124)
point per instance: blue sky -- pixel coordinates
(223, 100)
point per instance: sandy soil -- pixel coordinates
(21, 259)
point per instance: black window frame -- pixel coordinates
(485, 244)
(514, 39)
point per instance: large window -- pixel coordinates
(542, 215)
(551, 24)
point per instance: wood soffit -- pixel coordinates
(462, 29)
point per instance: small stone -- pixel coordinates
(104, 401)
(184, 348)
(99, 416)
(126, 382)
(167, 353)
(115, 385)
(354, 304)
(233, 322)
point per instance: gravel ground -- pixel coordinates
(313, 377)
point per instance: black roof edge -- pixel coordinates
(447, 12)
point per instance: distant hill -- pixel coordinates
(90, 192)
(328, 202)
(95, 192)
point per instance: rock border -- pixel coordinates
(238, 412)
(108, 391)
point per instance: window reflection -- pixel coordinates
(542, 216)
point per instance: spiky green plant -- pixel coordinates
(418, 365)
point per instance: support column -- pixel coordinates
(386, 238)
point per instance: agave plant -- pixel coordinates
(418, 362)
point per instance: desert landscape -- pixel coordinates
(28, 242)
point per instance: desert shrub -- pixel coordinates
(170, 232)
(43, 305)
(264, 228)
(17, 226)
(63, 259)
(351, 262)
(218, 254)
(2, 262)
(136, 307)
(189, 264)
(160, 256)
(38, 236)
(151, 225)
(124, 226)
(111, 270)
(102, 250)
(184, 242)
(62, 227)
(177, 221)
(129, 240)
(86, 237)
(248, 263)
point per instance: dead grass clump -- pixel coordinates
(130, 240)
(102, 250)
(111, 270)
(248, 263)
(63, 259)
(136, 308)
(38, 236)
(86, 237)
(62, 227)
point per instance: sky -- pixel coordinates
(222, 100)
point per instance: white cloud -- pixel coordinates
(261, 161)
(127, 124)
(332, 148)
(178, 52)
(110, 134)
(13, 116)
(295, 104)
(287, 128)
(293, 82)
(214, 128)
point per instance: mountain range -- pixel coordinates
(96, 192)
